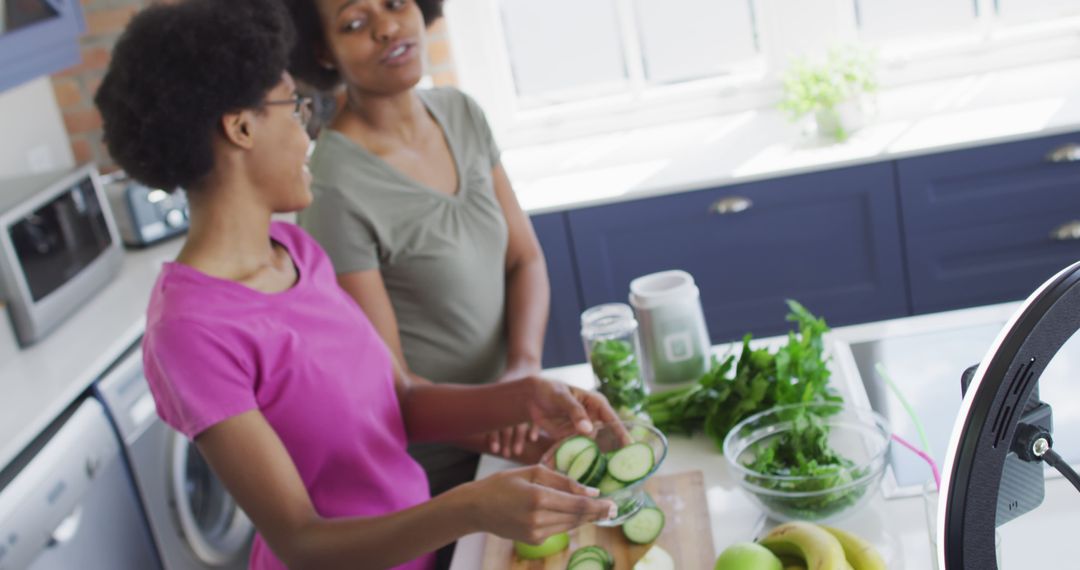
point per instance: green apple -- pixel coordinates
(747, 556)
(554, 543)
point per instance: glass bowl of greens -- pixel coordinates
(616, 459)
(816, 462)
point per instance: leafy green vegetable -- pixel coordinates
(796, 373)
(804, 451)
(616, 368)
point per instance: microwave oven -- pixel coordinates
(58, 247)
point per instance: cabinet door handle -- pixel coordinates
(1069, 231)
(1068, 152)
(731, 205)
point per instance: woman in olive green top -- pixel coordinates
(417, 213)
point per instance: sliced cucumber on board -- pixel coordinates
(590, 558)
(644, 526)
(588, 564)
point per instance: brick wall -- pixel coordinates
(75, 87)
(440, 61)
(105, 20)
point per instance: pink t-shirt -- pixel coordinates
(308, 359)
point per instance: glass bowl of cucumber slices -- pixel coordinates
(616, 459)
(815, 462)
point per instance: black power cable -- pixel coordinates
(1056, 461)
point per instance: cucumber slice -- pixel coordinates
(609, 485)
(588, 564)
(607, 555)
(627, 506)
(631, 463)
(596, 553)
(655, 559)
(644, 526)
(570, 448)
(583, 463)
(597, 472)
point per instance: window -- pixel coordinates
(552, 52)
(564, 50)
(880, 20)
(1034, 10)
(691, 39)
(551, 69)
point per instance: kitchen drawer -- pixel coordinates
(562, 340)
(981, 225)
(830, 240)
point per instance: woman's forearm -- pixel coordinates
(528, 297)
(446, 412)
(385, 541)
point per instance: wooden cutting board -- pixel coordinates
(687, 535)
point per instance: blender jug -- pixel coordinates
(674, 339)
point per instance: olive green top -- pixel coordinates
(442, 257)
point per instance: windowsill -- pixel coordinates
(935, 116)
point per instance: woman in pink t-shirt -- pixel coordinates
(254, 352)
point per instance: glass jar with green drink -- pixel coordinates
(609, 333)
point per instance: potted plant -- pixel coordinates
(833, 91)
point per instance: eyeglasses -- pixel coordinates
(301, 107)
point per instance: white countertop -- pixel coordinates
(39, 382)
(897, 526)
(956, 113)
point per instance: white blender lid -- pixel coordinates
(661, 288)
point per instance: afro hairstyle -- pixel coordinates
(304, 63)
(176, 69)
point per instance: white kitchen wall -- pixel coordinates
(32, 135)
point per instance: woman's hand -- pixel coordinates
(510, 442)
(530, 504)
(562, 410)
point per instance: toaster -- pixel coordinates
(146, 215)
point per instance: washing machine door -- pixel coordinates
(215, 528)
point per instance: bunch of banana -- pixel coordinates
(804, 545)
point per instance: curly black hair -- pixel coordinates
(177, 68)
(304, 63)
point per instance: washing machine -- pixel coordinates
(67, 501)
(195, 524)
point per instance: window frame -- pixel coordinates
(786, 28)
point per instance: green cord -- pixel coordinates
(907, 407)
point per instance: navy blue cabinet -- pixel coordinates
(989, 224)
(830, 239)
(562, 341)
(38, 37)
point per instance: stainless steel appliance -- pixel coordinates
(67, 501)
(146, 215)
(58, 246)
(194, 521)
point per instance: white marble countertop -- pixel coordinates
(897, 526)
(37, 383)
(936, 116)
